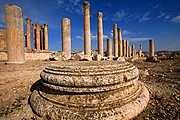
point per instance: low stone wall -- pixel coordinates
(28, 56)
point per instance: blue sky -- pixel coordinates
(140, 20)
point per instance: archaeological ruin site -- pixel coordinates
(96, 85)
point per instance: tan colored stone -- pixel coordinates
(100, 33)
(115, 38)
(109, 47)
(15, 34)
(132, 51)
(34, 35)
(127, 44)
(3, 43)
(46, 37)
(66, 37)
(124, 48)
(140, 51)
(37, 37)
(129, 51)
(151, 48)
(28, 33)
(42, 38)
(87, 37)
(120, 47)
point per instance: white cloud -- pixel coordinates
(119, 15)
(93, 37)
(126, 32)
(167, 17)
(139, 39)
(145, 17)
(71, 5)
(176, 19)
(111, 33)
(161, 15)
(2, 25)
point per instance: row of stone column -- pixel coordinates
(40, 35)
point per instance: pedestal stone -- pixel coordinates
(14, 34)
(89, 90)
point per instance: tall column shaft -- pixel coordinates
(42, 37)
(109, 47)
(14, 34)
(28, 33)
(151, 48)
(87, 37)
(37, 36)
(140, 51)
(129, 51)
(127, 44)
(66, 37)
(115, 38)
(124, 48)
(46, 37)
(132, 51)
(120, 50)
(34, 35)
(100, 33)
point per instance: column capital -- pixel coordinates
(100, 14)
(119, 29)
(86, 4)
(115, 25)
(28, 20)
(37, 25)
(45, 24)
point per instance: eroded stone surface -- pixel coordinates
(90, 90)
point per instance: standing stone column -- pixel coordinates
(28, 33)
(129, 51)
(14, 34)
(124, 48)
(151, 48)
(132, 51)
(37, 36)
(34, 35)
(100, 33)
(46, 37)
(120, 52)
(42, 37)
(87, 37)
(127, 44)
(66, 37)
(140, 51)
(109, 47)
(115, 38)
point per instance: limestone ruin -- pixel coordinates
(89, 90)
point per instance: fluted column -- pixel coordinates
(151, 48)
(100, 33)
(115, 38)
(37, 36)
(46, 37)
(87, 37)
(14, 34)
(120, 50)
(28, 33)
(109, 47)
(66, 37)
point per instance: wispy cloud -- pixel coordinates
(119, 15)
(145, 17)
(93, 37)
(176, 19)
(71, 5)
(126, 32)
(162, 14)
(2, 26)
(167, 17)
(139, 39)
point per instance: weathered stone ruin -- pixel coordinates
(89, 90)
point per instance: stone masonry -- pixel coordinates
(151, 48)
(66, 37)
(87, 37)
(14, 34)
(28, 33)
(100, 33)
(120, 49)
(115, 39)
(3, 43)
(109, 48)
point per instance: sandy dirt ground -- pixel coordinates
(162, 80)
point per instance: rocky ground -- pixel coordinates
(162, 80)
